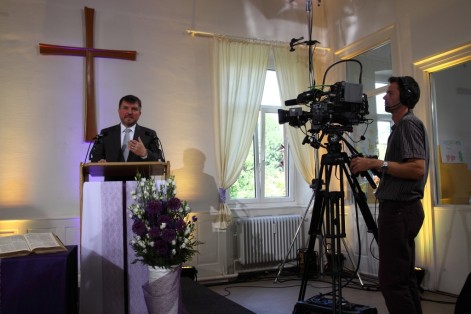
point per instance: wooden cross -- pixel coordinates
(89, 52)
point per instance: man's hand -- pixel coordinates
(359, 164)
(137, 147)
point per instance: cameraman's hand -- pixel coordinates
(359, 164)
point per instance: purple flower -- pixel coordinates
(169, 235)
(180, 225)
(174, 203)
(154, 232)
(154, 207)
(139, 228)
(194, 218)
(161, 247)
(163, 219)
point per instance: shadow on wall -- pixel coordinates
(195, 186)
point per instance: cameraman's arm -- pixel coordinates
(413, 169)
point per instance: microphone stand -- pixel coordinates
(160, 148)
(94, 140)
(295, 42)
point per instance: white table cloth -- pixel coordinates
(102, 288)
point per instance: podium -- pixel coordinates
(119, 170)
(109, 280)
(123, 169)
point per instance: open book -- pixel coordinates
(25, 244)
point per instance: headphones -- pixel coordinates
(409, 91)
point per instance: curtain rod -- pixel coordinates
(194, 33)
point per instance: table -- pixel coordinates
(40, 283)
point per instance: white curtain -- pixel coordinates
(292, 69)
(239, 70)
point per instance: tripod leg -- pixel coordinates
(280, 269)
(351, 259)
(335, 227)
(314, 228)
(362, 202)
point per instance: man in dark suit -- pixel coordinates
(143, 143)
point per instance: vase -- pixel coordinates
(162, 293)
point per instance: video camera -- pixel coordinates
(344, 105)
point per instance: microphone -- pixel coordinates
(293, 43)
(94, 141)
(313, 42)
(158, 143)
(392, 107)
(291, 102)
(295, 40)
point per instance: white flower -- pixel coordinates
(174, 252)
(163, 225)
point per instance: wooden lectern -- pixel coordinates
(118, 221)
(120, 170)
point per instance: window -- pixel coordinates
(451, 98)
(265, 174)
(377, 68)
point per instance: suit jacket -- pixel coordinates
(108, 146)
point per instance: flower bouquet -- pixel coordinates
(163, 239)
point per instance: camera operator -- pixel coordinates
(403, 176)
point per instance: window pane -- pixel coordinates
(265, 172)
(451, 94)
(275, 178)
(377, 68)
(244, 187)
(380, 104)
(271, 93)
(384, 129)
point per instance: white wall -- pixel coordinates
(41, 125)
(42, 120)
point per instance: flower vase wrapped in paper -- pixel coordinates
(163, 240)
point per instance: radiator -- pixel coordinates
(268, 239)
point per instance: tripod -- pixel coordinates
(331, 204)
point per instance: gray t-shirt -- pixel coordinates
(408, 139)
